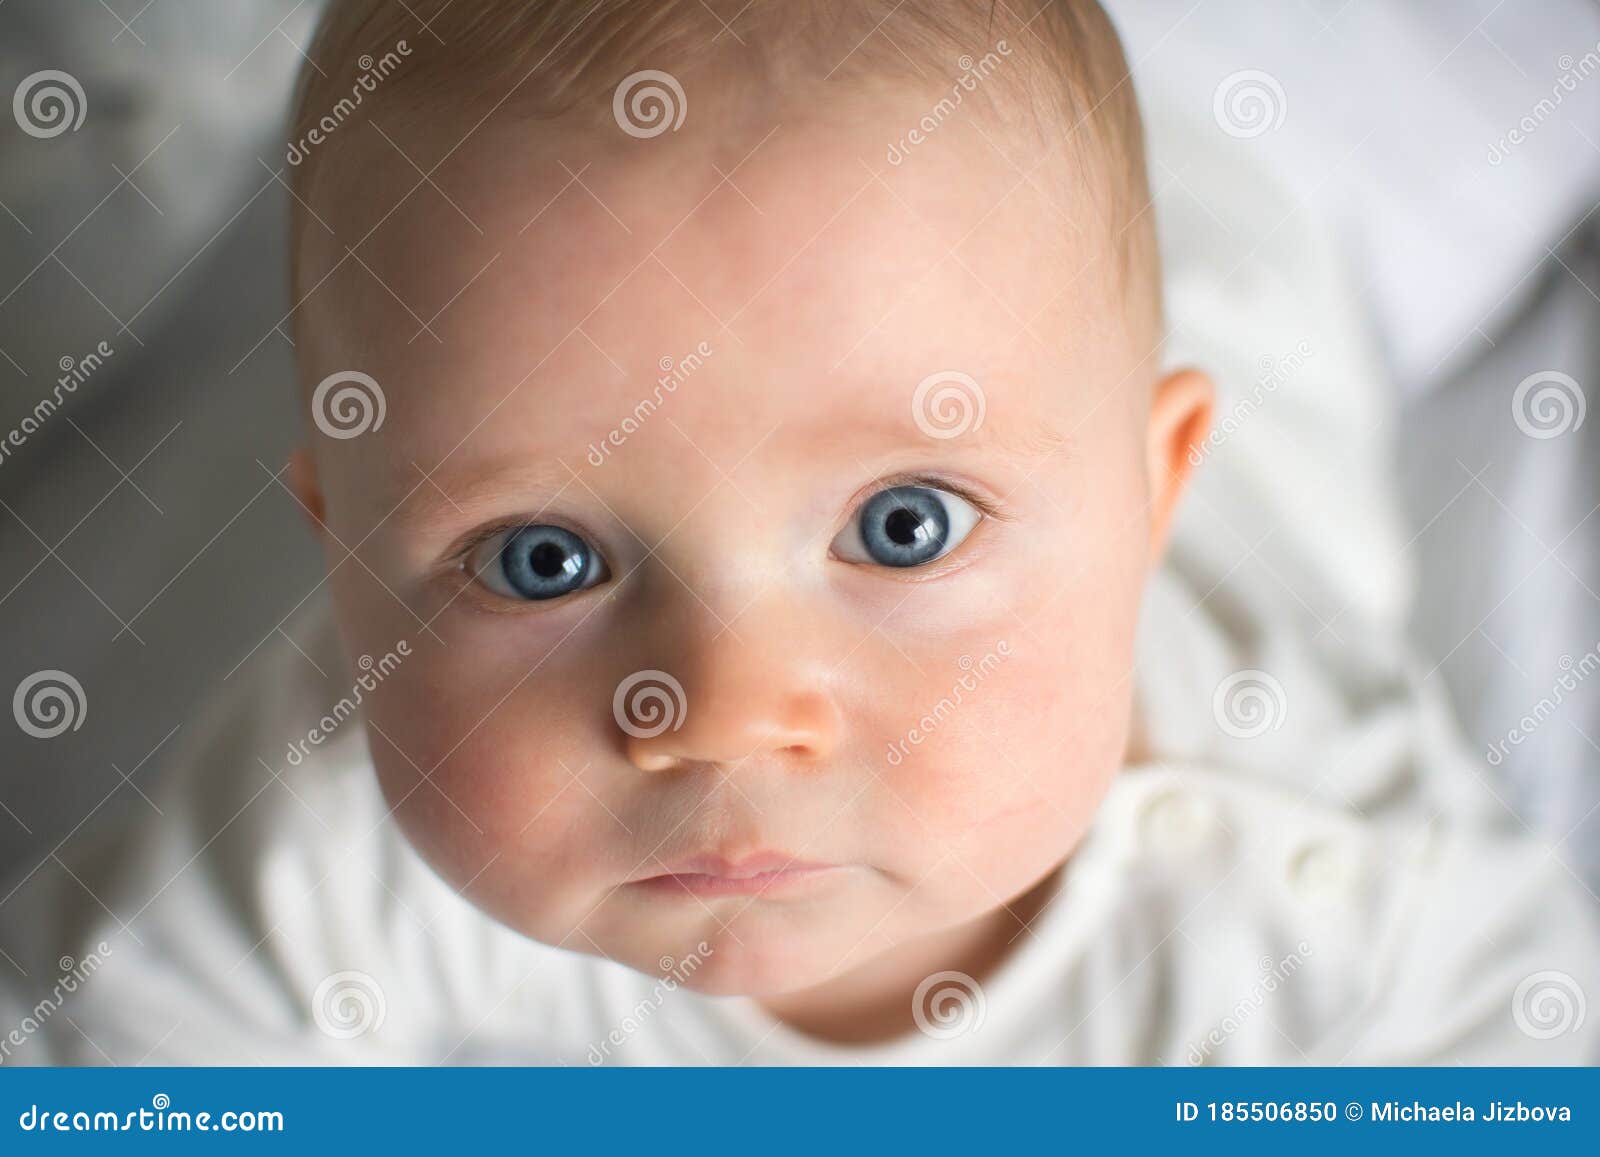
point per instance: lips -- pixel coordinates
(751, 875)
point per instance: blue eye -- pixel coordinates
(907, 526)
(536, 562)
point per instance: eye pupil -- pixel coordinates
(548, 560)
(905, 526)
(544, 562)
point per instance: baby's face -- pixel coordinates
(846, 460)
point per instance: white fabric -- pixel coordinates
(1338, 888)
(1455, 149)
(1452, 144)
(177, 106)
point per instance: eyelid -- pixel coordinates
(989, 506)
(455, 556)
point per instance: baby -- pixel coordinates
(741, 434)
(864, 424)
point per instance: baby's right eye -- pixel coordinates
(536, 562)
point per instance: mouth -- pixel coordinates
(754, 875)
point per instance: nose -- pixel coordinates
(729, 705)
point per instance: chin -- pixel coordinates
(753, 964)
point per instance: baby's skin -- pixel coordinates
(884, 721)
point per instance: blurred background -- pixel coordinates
(147, 549)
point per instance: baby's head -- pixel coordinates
(767, 444)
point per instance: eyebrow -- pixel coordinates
(1037, 440)
(449, 496)
(443, 495)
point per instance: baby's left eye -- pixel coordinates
(906, 526)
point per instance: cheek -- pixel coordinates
(473, 720)
(1013, 750)
(479, 764)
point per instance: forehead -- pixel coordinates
(551, 274)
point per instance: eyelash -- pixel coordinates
(990, 507)
(458, 558)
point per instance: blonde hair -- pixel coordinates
(547, 58)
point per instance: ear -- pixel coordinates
(1180, 419)
(304, 484)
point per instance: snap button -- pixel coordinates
(1323, 872)
(1175, 822)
